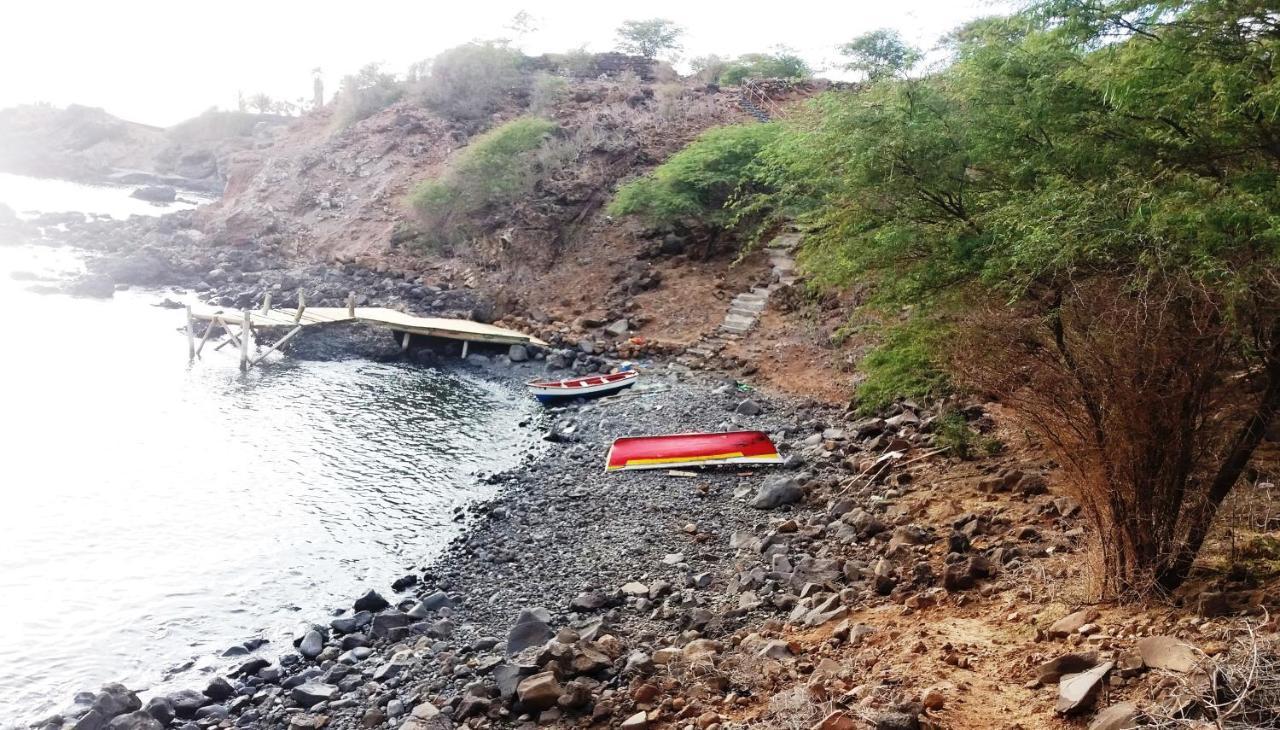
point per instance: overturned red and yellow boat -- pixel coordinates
(691, 449)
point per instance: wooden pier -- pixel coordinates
(298, 318)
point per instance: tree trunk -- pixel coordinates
(1245, 443)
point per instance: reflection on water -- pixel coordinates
(153, 513)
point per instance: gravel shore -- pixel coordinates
(563, 544)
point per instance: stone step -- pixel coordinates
(736, 329)
(753, 305)
(750, 297)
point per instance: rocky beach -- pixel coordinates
(916, 562)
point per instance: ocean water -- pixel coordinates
(154, 512)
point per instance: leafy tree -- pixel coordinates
(262, 103)
(707, 69)
(365, 93)
(699, 183)
(782, 64)
(522, 24)
(1086, 196)
(649, 38)
(879, 54)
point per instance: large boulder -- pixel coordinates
(384, 624)
(144, 268)
(139, 720)
(161, 709)
(309, 694)
(1071, 623)
(1078, 692)
(1122, 716)
(311, 646)
(776, 491)
(115, 700)
(1167, 652)
(1054, 669)
(155, 194)
(186, 703)
(539, 691)
(532, 628)
(371, 601)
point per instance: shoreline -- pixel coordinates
(875, 580)
(503, 546)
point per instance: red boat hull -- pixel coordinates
(692, 449)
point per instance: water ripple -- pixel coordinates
(154, 515)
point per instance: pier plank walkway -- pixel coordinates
(298, 319)
(453, 329)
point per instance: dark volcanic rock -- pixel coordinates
(531, 629)
(155, 194)
(186, 702)
(313, 693)
(777, 490)
(371, 601)
(139, 720)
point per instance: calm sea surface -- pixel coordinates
(154, 513)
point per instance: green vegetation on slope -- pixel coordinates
(497, 168)
(1086, 197)
(701, 181)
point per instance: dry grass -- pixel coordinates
(1236, 690)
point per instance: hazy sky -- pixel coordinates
(161, 62)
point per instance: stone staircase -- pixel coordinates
(750, 107)
(745, 308)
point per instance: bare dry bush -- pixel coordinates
(1148, 397)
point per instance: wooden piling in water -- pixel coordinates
(351, 305)
(244, 340)
(191, 337)
(302, 306)
(266, 303)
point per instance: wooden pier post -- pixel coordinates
(464, 349)
(351, 305)
(404, 344)
(244, 340)
(266, 303)
(302, 306)
(191, 337)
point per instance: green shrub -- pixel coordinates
(701, 181)
(364, 94)
(779, 65)
(953, 433)
(904, 365)
(495, 169)
(470, 81)
(546, 92)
